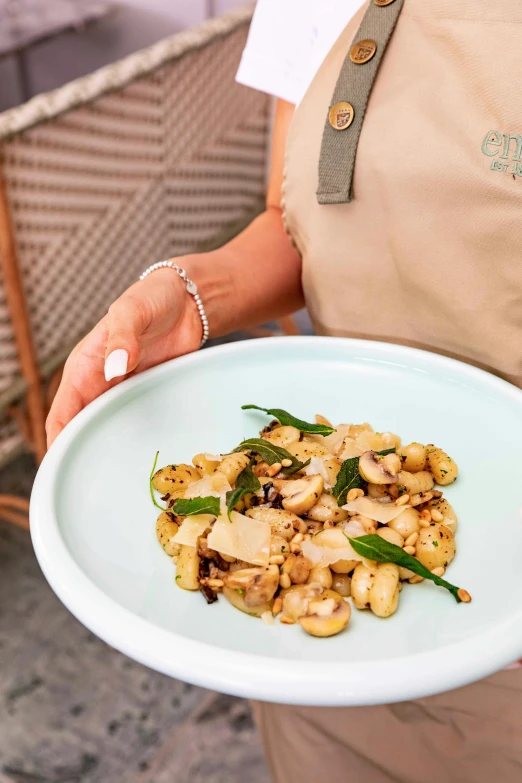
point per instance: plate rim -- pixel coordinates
(241, 673)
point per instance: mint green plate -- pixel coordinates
(93, 522)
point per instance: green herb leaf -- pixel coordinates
(188, 508)
(246, 483)
(272, 454)
(151, 488)
(178, 577)
(287, 419)
(376, 548)
(348, 478)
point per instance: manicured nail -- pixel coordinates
(116, 364)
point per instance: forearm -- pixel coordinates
(254, 278)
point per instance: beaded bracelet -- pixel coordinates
(191, 288)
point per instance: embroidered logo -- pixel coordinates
(506, 149)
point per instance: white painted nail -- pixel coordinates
(116, 364)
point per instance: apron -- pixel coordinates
(403, 195)
(427, 253)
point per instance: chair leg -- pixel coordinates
(288, 325)
(15, 510)
(21, 325)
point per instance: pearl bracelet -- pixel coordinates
(191, 288)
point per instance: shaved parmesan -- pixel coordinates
(213, 457)
(317, 467)
(214, 485)
(191, 529)
(329, 546)
(241, 537)
(350, 449)
(334, 441)
(354, 528)
(375, 509)
(370, 441)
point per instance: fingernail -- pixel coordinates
(116, 364)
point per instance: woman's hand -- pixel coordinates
(153, 321)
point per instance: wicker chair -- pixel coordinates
(160, 154)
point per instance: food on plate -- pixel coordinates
(293, 523)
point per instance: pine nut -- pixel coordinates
(288, 564)
(410, 550)
(436, 515)
(415, 580)
(402, 500)
(284, 581)
(424, 523)
(295, 548)
(412, 540)
(215, 583)
(278, 605)
(425, 514)
(297, 538)
(277, 560)
(464, 595)
(360, 493)
(286, 620)
(352, 495)
(439, 571)
(274, 469)
(286, 463)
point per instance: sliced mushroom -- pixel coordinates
(297, 598)
(300, 495)
(377, 469)
(237, 599)
(327, 615)
(259, 584)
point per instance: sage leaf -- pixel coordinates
(151, 488)
(376, 548)
(271, 454)
(246, 483)
(190, 507)
(348, 478)
(287, 420)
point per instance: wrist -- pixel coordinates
(215, 288)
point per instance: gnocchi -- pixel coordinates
(251, 534)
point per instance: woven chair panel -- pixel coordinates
(155, 169)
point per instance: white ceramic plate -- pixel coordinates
(93, 522)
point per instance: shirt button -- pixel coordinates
(341, 115)
(382, 3)
(363, 51)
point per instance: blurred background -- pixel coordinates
(124, 139)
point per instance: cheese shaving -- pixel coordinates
(191, 529)
(241, 537)
(375, 509)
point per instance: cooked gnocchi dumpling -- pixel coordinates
(273, 526)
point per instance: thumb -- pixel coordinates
(126, 325)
